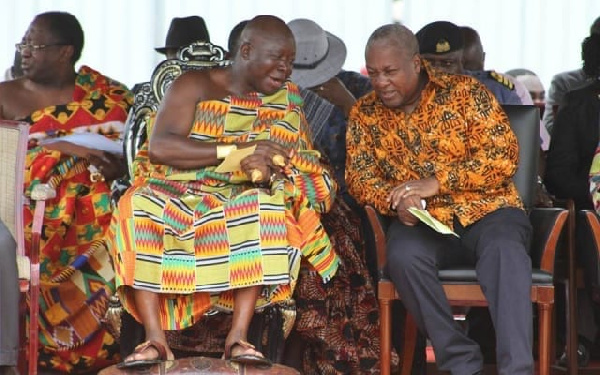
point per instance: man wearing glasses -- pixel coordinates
(58, 101)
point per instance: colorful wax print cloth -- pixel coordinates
(77, 276)
(458, 133)
(195, 235)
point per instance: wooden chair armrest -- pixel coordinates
(548, 225)
(378, 226)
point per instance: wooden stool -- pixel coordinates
(201, 365)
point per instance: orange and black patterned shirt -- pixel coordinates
(457, 133)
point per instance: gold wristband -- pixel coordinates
(224, 150)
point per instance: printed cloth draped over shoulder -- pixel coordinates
(76, 274)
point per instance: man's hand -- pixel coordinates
(273, 154)
(404, 215)
(336, 93)
(409, 194)
(424, 188)
(111, 166)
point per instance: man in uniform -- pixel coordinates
(441, 43)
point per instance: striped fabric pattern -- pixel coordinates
(195, 235)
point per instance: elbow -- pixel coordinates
(157, 152)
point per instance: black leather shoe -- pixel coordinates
(583, 356)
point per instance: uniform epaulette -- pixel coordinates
(502, 79)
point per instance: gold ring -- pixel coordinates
(279, 160)
(256, 175)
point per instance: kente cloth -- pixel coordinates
(193, 236)
(76, 274)
(337, 321)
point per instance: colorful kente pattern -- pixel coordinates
(77, 277)
(194, 235)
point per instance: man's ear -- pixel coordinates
(416, 60)
(245, 49)
(67, 53)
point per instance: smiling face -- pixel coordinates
(394, 74)
(271, 59)
(266, 54)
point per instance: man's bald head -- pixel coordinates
(473, 55)
(265, 54)
(266, 27)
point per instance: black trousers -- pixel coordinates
(498, 246)
(9, 299)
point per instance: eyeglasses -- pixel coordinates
(34, 47)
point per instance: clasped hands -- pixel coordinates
(409, 194)
(266, 162)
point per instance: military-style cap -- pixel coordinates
(440, 37)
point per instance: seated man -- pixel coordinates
(570, 159)
(59, 101)
(187, 237)
(443, 139)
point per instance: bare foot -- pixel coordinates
(244, 348)
(151, 350)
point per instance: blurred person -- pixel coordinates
(58, 101)
(183, 32)
(533, 84)
(15, 70)
(564, 82)
(348, 339)
(574, 140)
(320, 56)
(442, 44)
(474, 60)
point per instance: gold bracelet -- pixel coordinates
(224, 150)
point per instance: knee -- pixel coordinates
(406, 256)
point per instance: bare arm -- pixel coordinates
(169, 142)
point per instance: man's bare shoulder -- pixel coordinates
(10, 86)
(12, 94)
(205, 83)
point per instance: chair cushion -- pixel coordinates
(468, 275)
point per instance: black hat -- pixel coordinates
(184, 31)
(440, 37)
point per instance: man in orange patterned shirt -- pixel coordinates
(428, 138)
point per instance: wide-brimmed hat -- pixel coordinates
(184, 31)
(320, 55)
